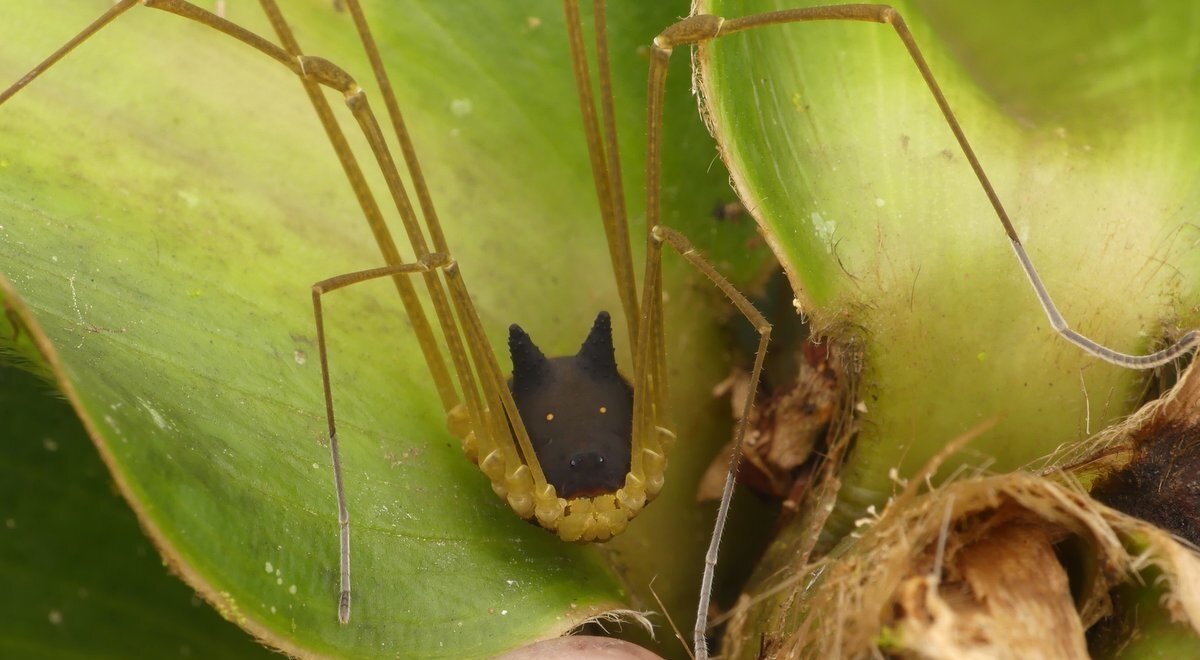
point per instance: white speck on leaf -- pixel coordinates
(825, 229)
(189, 197)
(159, 421)
(461, 107)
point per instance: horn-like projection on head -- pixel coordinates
(529, 364)
(597, 354)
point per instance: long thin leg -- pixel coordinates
(604, 155)
(328, 74)
(490, 379)
(611, 146)
(427, 264)
(646, 446)
(321, 72)
(487, 424)
(85, 34)
(652, 303)
(520, 475)
(700, 28)
(350, 166)
(406, 145)
(318, 71)
(356, 99)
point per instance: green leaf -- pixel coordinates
(167, 198)
(1141, 628)
(81, 579)
(1087, 129)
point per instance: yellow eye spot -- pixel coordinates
(603, 410)
(549, 417)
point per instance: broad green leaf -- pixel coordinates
(167, 198)
(81, 580)
(1083, 116)
(1141, 628)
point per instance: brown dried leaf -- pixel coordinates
(1004, 592)
(785, 426)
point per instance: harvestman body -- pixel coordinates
(568, 443)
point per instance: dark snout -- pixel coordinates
(589, 474)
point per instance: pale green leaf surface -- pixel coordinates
(1084, 118)
(167, 198)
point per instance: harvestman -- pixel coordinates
(588, 487)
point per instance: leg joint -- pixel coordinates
(327, 73)
(662, 234)
(690, 30)
(434, 260)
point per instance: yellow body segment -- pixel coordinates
(578, 519)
